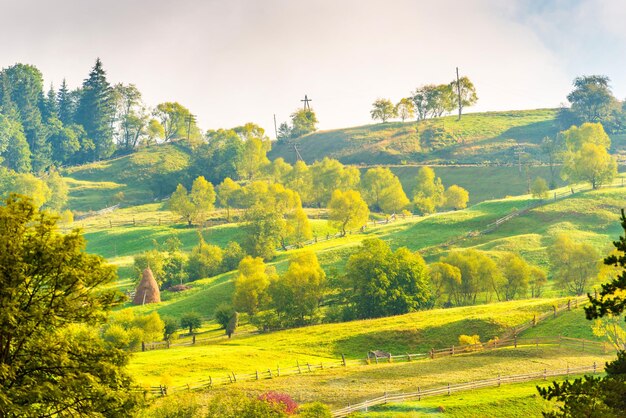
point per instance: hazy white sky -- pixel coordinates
(236, 61)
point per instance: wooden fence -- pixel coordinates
(452, 388)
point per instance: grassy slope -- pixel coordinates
(414, 333)
(478, 137)
(92, 186)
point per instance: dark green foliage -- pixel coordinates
(233, 254)
(191, 321)
(223, 313)
(170, 328)
(219, 157)
(52, 360)
(591, 98)
(96, 110)
(386, 282)
(232, 324)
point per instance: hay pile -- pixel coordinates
(148, 289)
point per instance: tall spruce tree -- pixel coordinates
(96, 111)
(65, 104)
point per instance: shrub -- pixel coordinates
(205, 261)
(469, 340)
(191, 320)
(222, 314)
(314, 410)
(282, 399)
(237, 405)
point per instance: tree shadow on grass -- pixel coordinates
(415, 340)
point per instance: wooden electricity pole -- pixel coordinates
(189, 118)
(275, 129)
(458, 91)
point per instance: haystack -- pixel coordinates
(148, 289)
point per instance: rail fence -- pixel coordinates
(458, 387)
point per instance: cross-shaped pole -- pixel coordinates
(306, 102)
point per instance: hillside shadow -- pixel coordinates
(415, 340)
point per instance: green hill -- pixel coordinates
(476, 138)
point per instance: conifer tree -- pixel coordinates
(65, 104)
(96, 111)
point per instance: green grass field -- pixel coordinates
(477, 137)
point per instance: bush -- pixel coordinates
(233, 254)
(222, 314)
(314, 410)
(469, 340)
(191, 320)
(237, 405)
(205, 261)
(281, 399)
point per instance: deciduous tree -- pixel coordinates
(574, 265)
(382, 190)
(347, 210)
(54, 298)
(405, 109)
(428, 194)
(251, 285)
(456, 197)
(383, 110)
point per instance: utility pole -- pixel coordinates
(275, 129)
(189, 118)
(306, 103)
(458, 90)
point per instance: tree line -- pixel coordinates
(428, 101)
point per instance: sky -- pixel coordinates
(232, 62)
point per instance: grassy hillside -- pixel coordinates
(477, 137)
(411, 333)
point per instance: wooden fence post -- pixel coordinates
(545, 374)
(234, 377)
(277, 370)
(343, 361)
(257, 375)
(210, 381)
(432, 353)
(594, 367)
(569, 304)
(110, 224)
(298, 365)
(452, 351)
(448, 389)
(269, 371)
(498, 379)
(554, 309)
(515, 341)
(419, 395)
(133, 221)
(309, 366)
(193, 339)
(143, 346)
(408, 357)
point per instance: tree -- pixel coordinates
(477, 272)
(254, 157)
(96, 111)
(191, 321)
(16, 153)
(383, 109)
(455, 197)
(439, 100)
(516, 275)
(296, 295)
(444, 278)
(553, 147)
(153, 259)
(303, 121)
(539, 188)
(428, 194)
(205, 260)
(405, 109)
(591, 99)
(466, 93)
(54, 298)
(203, 198)
(176, 120)
(347, 210)
(329, 175)
(181, 204)
(385, 282)
(299, 179)
(154, 132)
(592, 164)
(279, 170)
(420, 100)
(382, 190)
(573, 265)
(586, 157)
(195, 206)
(222, 314)
(232, 324)
(66, 105)
(28, 185)
(228, 194)
(251, 285)
(602, 396)
(131, 116)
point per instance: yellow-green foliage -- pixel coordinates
(469, 339)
